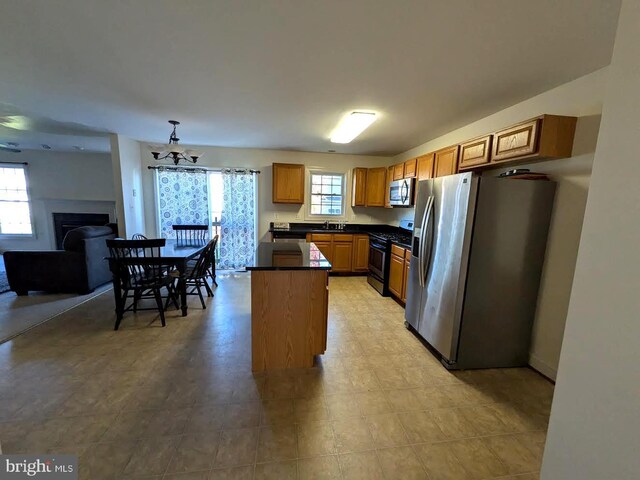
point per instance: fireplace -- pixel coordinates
(63, 222)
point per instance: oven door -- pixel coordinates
(377, 257)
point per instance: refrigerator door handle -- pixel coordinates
(429, 230)
(422, 252)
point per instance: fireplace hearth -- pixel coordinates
(63, 222)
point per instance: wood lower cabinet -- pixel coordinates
(359, 187)
(360, 253)
(475, 152)
(376, 186)
(425, 166)
(345, 251)
(288, 183)
(342, 253)
(396, 275)
(445, 161)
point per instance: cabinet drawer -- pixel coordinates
(342, 237)
(396, 250)
(516, 141)
(321, 237)
(475, 152)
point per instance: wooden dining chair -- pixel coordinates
(196, 275)
(191, 234)
(138, 236)
(142, 273)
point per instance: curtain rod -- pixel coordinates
(14, 163)
(201, 169)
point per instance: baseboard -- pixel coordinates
(541, 366)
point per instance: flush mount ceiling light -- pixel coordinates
(351, 126)
(173, 150)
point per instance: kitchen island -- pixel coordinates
(289, 305)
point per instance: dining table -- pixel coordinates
(173, 254)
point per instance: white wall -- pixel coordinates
(75, 182)
(594, 432)
(262, 160)
(582, 98)
(127, 172)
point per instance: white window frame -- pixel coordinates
(25, 169)
(315, 216)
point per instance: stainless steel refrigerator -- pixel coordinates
(478, 248)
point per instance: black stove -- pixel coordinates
(401, 238)
(380, 252)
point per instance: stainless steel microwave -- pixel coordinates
(401, 192)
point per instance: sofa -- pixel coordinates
(79, 268)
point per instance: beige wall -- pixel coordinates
(594, 431)
(72, 182)
(262, 160)
(581, 98)
(127, 171)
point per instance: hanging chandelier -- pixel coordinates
(172, 150)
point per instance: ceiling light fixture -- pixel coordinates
(173, 150)
(351, 126)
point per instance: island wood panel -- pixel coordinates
(288, 318)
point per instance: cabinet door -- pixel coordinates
(342, 256)
(376, 182)
(517, 141)
(326, 248)
(410, 168)
(475, 153)
(425, 167)
(396, 274)
(398, 171)
(358, 192)
(405, 278)
(445, 161)
(387, 192)
(288, 183)
(360, 253)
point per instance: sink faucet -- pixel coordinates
(326, 224)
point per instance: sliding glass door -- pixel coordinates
(223, 199)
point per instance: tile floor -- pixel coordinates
(181, 402)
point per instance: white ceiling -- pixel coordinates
(279, 74)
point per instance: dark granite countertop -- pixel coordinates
(319, 228)
(288, 256)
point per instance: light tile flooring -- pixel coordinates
(181, 402)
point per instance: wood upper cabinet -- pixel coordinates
(425, 166)
(358, 191)
(360, 253)
(544, 137)
(342, 256)
(410, 167)
(396, 275)
(376, 187)
(387, 192)
(398, 171)
(445, 161)
(288, 183)
(475, 152)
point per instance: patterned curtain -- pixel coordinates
(237, 229)
(183, 198)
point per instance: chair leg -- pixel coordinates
(136, 297)
(212, 274)
(156, 294)
(207, 288)
(198, 285)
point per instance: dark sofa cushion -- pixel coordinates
(74, 239)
